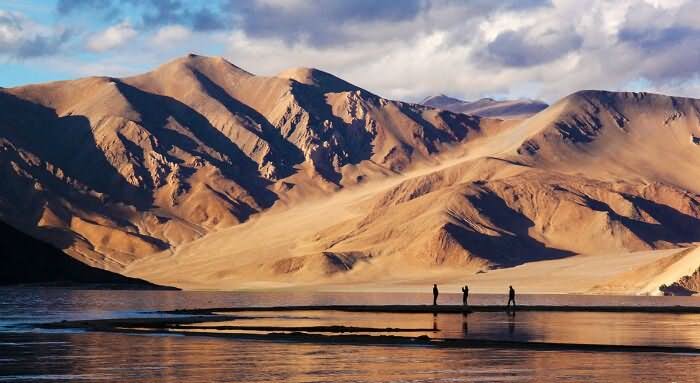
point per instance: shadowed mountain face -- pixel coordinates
(29, 261)
(159, 176)
(487, 107)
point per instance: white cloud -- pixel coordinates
(112, 37)
(171, 34)
(22, 38)
(11, 28)
(285, 4)
(666, 3)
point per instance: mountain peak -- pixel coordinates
(611, 98)
(318, 78)
(440, 100)
(202, 63)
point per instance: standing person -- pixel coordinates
(435, 294)
(511, 298)
(465, 295)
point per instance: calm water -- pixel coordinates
(635, 329)
(27, 354)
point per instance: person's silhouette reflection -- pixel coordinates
(435, 327)
(465, 326)
(511, 325)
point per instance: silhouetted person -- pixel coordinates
(511, 298)
(435, 294)
(465, 295)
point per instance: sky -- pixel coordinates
(406, 50)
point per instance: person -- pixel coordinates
(435, 294)
(511, 297)
(465, 295)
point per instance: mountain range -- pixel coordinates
(487, 107)
(202, 175)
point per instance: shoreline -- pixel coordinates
(444, 309)
(69, 285)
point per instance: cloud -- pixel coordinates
(112, 37)
(152, 13)
(524, 48)
(171, 34)
(67, 6)
(404, 50)
(163, 12)
(328, 22)
(665, 41)
(22, 38)
(206, 20)
(320, 22)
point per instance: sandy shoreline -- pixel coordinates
(444, 309)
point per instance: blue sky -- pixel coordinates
(403, 50)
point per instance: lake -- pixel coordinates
(28, 354)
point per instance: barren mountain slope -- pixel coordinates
(112, 170)
(634, 136)
(571, 180)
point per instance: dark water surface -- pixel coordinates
(28, 354)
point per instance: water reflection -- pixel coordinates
(115, 357)
(35, 356)
(511, 325)
(639, 329)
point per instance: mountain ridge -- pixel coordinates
(487, 107)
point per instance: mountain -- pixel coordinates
(111, 169)
(29, 261)
(487, 107)
(202, 175)
(610, 176)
